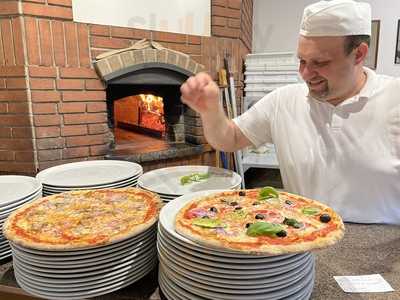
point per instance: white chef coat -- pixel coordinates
(346, 156)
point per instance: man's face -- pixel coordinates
(329, 73)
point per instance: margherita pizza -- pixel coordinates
(82, 219)
(260, 221)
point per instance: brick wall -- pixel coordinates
(52, 102)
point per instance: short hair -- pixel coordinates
(351, 42)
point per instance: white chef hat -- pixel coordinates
(336, 18)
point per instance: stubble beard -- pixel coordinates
(321, 94)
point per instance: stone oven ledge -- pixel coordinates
(155, 153)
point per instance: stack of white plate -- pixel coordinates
(85, 273)
(192, 271)
(15, 191)
(94, 174)
(166, 182)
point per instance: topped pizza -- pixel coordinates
(259, 221)
(82, 219)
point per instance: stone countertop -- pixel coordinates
(365, 249)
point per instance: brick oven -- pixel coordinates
(59, 104)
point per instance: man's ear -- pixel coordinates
(361, 53)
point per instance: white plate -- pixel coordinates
(172, 291)
(89, 173)
(290, 291)
(167, 180)
(239, 264)
(14, 188)
(69, 254)
(87, 285)
(16, 204)
(83, 294)
(199, 267)
(226, 282)
(107, 256)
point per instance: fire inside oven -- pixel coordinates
(143, 113)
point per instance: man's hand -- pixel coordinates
(201, 94)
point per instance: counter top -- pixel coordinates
(365, 249)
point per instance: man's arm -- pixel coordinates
(201, 94)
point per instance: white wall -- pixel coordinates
(276, 26)
(180, 16)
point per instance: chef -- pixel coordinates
(337, 134)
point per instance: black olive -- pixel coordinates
(248, 225)
(288, 202)
(242, 193)
(260, 216)
(205, 217)
(281, 233)
(213, 209)
(324, 218)
(238, 207)
(234, 203)
(256, 203)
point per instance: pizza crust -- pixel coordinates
(251, 247)
(13, 228)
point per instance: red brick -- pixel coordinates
(41, 84)
(71, 108)
(95, 85)
(71, 44)
(8, 43)
(32, 40)
(225, 32)
(86, 140)
(1, 51)
(22, 132)
(42, 72)
(47, 11)
(71, 119)
(84, 96)
(9, 8)
(13, 96)
(7, 155)
(70, 84)
(169, 37)
(46, 96)
(234, 23)
(58, 42)
(14, 120)
(16, 83)
(219, 2)
(18, 168)
(46, 155)
(5, 132)
(99, 150)
(60, 2)
(71, 130)
(15, 144)
(75, 152)
(46, 120)
(218, 21)
(122, 32)
(3, 108)
(2, 84)
(50, 143)
(44, 108)
(98, 128)
(235, 4)
(24, 156)
(46, 47)
(48, 131)
(225, 12)
(18, 41)
(142, 34)
(99, 30)
(109, 43)
(97, 107)
(18, 108)
(83, 41)
(12, 71)
(77, 73)
(194, 39)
